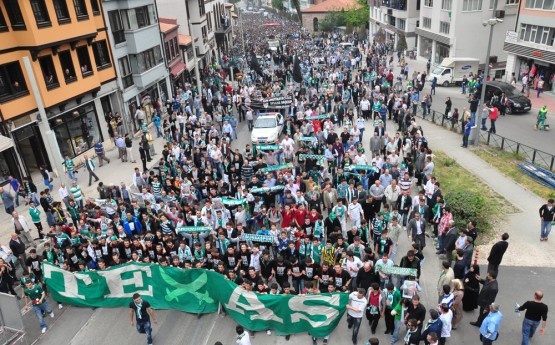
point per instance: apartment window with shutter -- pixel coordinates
(427, 22)
(125, 71)
(62, 13)
(101, 54)
(444, 27)
(472, 5)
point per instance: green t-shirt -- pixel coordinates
(34, 293)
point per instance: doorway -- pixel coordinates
(30, 146)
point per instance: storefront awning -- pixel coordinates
(178, 69)
(5, 143)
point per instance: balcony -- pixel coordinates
(223, 29)
(400, 5)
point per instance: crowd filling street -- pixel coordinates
(336, 210)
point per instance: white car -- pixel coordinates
(267, 128)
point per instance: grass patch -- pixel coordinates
(469, 197)
(507, 164)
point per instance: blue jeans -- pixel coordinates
(545, 229)
(71, 175)
(48, 184)
(528, 330)
(464, 89)
(355, 323)
(39, 308)
(145, 327)
(395, 335)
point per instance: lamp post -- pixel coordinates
(475, 136)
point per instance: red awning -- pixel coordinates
(178, 68)
(271, 24)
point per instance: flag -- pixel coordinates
(255, 66)
(297, 74)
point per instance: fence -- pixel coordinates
(541, 158)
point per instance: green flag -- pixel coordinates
(267, 189)
(259, 238)
(196, 291)
(277, 167)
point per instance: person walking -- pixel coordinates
(100, 153)
(120, 143)
(8, 200)
(496, 253)
(486, 297)
(89, 164)
(493, 116)
(22, 228)
(547, 215)
(77, 193)
(243, 337)
(129, 148)
(466, 132)
(46, 177)
(34, 295)
(536, 313)
(142, 313)
(14, 185)
(355, 311)
(69, 167)
(542, 115)
(489, 330)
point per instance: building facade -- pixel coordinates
(395, 18)
(454, 28)
(530, 47)
(57, 80)
(136, 43)
(174, 58)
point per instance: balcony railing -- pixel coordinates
(400, 5)
(223, 28)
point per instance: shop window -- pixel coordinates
(84, 60)
(101, 54)
(14, 14)
(95, 7)
(41, 13)
(116, 26)
(81, 9)
(77, 130)
(62, 13)
(3, 24)
(12, 82)
(49, 72)
(67, 64)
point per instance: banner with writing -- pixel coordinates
(259, 238)
(361, 167)
(194, 229)
(196, 291)
(277, 167)
(402, 271)
(268, 147)
(258, 190)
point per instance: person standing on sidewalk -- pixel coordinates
(35, 295)
(8, 201)
(355, 311)
(120, 143)
(249, 117)
(489, 330)
(14, 185)
(21, 228)
(547, 216)
(34, 212)
(142, 313)
(496, 253)
(536, 312)
(100, 153)
(486, 297)
(70, 168)
(493, 116)
(129, 148)
(466, 133)
(89, 164)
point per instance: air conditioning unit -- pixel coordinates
(500, 14)
(493, 59)
(389, 11)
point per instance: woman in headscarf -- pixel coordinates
(458, 292)
(471, 288)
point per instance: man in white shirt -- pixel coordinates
(64, 193)
(243, 337)
(355, 213)
(355, 311)
(446, 318)
(352, 264)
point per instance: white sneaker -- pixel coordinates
(269, 332)
(52, 314)
(43, 330)
(60, 306)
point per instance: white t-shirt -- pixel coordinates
(446, 318)
(359, 303)
(352, 266)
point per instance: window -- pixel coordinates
(146, 60)
(125, 72)
(537, 34)
(444, 27)
(204, 35)
(12, 82)
(81, 9)
(48, 72)
(512, 2)
(67, 64)
(427, 22)
(95, 7)
(167, 49)
(14, 14)
(139, 17)
(76, 130)
(446, 5)
(41, 13)
(540, 4)
(3, 24)
(429, 3)
(472, 5)
(116, 26)
(175, 47)
(101, 54)
(62, 13)
(401, 24)
(84, 60)
(201, 8)
(189, 53)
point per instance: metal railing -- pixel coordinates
(525, 152)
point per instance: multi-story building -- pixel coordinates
(138, 52)
(454, 28)
(395, 17)
(530, 47)
(174, 57)
(57, 80)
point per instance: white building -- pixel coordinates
(395, 17)
(454, 28)
(532, 45)
(138, 54)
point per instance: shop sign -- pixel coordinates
(537, 53)
(511, 36)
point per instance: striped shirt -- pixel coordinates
(76, 192)
(156, 188)
(70, 166)
(405, 185)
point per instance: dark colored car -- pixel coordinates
(516, 101)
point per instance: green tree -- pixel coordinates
(297, 5)
(380, 36)
(277, 5)
(359, 16)
(401, 42)
(331, 21)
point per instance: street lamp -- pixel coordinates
(475, 137)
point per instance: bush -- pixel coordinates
(467, 205)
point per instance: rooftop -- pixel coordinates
(331, 6)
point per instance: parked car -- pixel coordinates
(516, 101)
(267, 128)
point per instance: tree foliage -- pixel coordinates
(380, 36)
(356, 17)
(331, 21)
(277, 4)
(401, 43)
(297, 5)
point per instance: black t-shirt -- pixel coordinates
(535, 311)
(143, 315)
(341, 279)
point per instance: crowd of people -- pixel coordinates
(335, 217)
